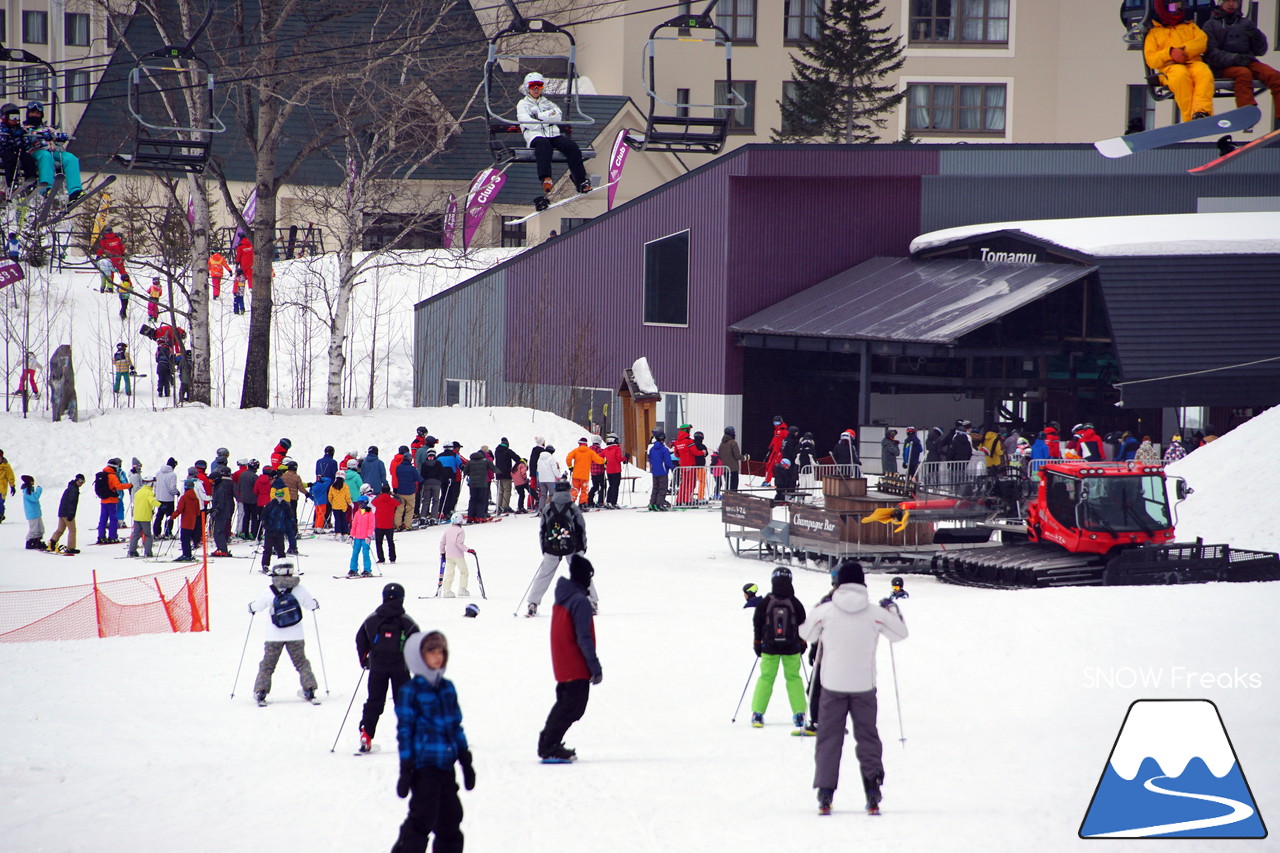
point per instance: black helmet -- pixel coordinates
(393, 592)
(404, 448)
(286, 443)
(750, 588)
(10, 109)
(549, 449)
(659, 435)
(781, 572)
(328, 450)
(35, 106)
(699, 434)
(422, 430)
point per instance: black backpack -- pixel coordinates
(102, 485)
(387, 651)
(558, 537)
(285, 610)
(780, 624)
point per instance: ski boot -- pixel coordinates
(801, 730)
(871, 784)
(261, 699)
(558, 754)
(824, 800)
(353, 574)
(366, 742)
(533, 610)
(757, 721)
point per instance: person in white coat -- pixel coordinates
(548, 474)
(453, 552)
(847, 630)
(283, 638)
(167, 494)
(538, 118)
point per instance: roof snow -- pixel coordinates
(1116, 236)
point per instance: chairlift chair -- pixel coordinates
(505, 133)
(1136, 15)
(18, 56)
(176, 147)
(677, 130)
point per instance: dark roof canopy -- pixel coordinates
(899, 299)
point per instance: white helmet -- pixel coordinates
(282, 567)
(532, 77)
(457, 518)
(366, 489)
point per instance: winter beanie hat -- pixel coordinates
(850, 571)
(581, 571)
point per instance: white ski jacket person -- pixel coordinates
(538, 117)
(166, 484)
(266, 602)
(548, 470)
(849, 628)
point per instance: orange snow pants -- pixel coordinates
(580, 489)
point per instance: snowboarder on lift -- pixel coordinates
(538, 118)
(46, 145)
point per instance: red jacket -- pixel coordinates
(278, 455)
(568, 661)
(188, 509)
(1091, 438)
(244, 258)
(391, 469)
(111, 246)
(686, 450)
(1054, 445)
(384, 511)
(612, 454)
(262, 489)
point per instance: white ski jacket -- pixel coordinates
(266, 602)
(538, 117)
(548, 470)
(166, 485)
(849, 628)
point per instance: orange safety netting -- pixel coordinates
(171, 601)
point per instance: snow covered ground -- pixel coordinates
(1010, 701)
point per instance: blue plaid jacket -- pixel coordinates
(429, 723)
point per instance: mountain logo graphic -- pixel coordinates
(1173, 773)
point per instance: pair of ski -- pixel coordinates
(440, 582)
(314, 700)
(359, 575)
(1241, 118)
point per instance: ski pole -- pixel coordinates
(805, 672)
(524, 594)
(349, 704)
(479, 578)
(744, 690)
(902, 739)
(440, 581)
(320, 649)
(242, 651)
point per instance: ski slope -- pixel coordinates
(1010, 701)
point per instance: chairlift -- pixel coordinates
(47, 88)
(175, 147)
(677, 130)
(1136, 16)
(506, 142)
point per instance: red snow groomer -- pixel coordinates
(1083, 523)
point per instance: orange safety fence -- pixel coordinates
(172, 601)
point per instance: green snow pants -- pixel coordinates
(768, 673)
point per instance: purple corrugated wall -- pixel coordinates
(764, 224)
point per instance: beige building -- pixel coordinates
(976, 70)
(71, 35)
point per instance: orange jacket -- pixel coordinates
(218, 266)
(580, 459)
(114, 482)
(1161, 39)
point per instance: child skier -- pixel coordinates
(67, 515)
(777, 640)
(320, 498)
(362, 521)
(237, 294)
(123, 365)
(573, 659)
(283, 600)
(340, 503)
(145, 505)
(154, 292)
(380, 647)
(187, 512)
(429, 731)
(453, 552)
(31, 508)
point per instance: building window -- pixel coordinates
(741, 120)
(4, 26)
(789, 89)
(77, 86)
(76, 29)
(35, 27)
(959, 21)
(1141, 112)
(738, 19)
(568, 223)
(666, 281)
(963, 109)
(512, 235)
(409, 232)
(34, 84)
(800, 20)
(464, 392)
(682, 103)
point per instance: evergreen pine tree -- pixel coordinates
(841, 94)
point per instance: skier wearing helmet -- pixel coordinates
(538, 118)
(46, 144)
(13, 146)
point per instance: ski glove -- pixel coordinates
(468, 772)
(758, 649)
(598, 677)
(406, 779)
(472, 552)
(252, 612)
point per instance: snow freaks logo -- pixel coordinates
(1173, 773)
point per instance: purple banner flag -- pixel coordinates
(250, 210)
(617, 159)
(482, 193)
(450, 221)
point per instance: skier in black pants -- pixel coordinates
(276, 521)
(380, 647)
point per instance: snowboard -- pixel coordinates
(552, 205)
(84, 196)
(1261, 142)
(1122, 146)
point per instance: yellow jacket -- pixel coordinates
(6, 477)
(580, 459)
(1160, 39)
(995, 449)
(340, 498)
(145, 504)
